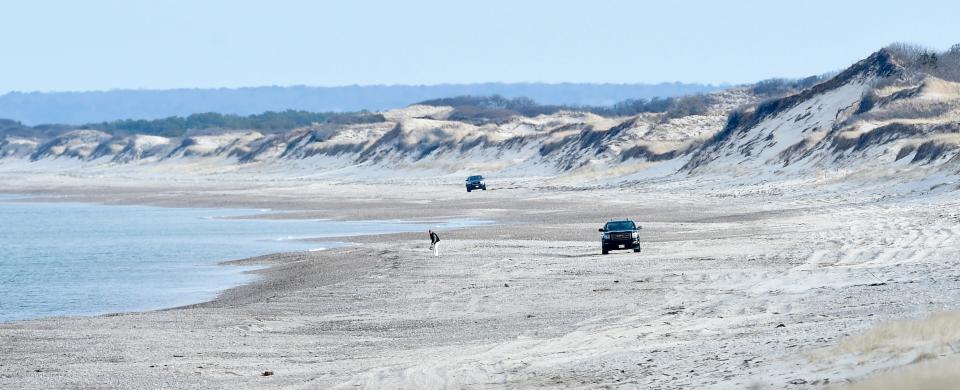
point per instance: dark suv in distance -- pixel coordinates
(620, 234)
(476, 182)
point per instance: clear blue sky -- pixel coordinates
(97, 44)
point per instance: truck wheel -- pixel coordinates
(604, 251)
(484, 188)
(468, 190)
(636, 250)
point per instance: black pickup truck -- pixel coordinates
(621, 234)
(476, 182)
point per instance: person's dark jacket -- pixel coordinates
(434, 238)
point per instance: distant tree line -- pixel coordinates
(9, 127)
(773, 88)
(496, 108)
(100, 106)
(177, 126)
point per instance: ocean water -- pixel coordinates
(86, 259)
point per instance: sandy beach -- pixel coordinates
(244, 195)
(756, 286)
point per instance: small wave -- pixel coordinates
(292, 238)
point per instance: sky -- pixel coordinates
(100, 44)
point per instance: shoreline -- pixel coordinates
(260, 262)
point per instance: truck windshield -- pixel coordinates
(474, 178)
(620, 225)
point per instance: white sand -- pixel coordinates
(530, 302)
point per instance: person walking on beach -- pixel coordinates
(434, 243)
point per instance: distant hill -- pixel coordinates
(101, 106)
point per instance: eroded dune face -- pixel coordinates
(878, 116)
(416, 136)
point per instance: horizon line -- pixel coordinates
(445, 84)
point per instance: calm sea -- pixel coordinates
(85, 259)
